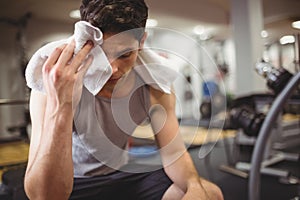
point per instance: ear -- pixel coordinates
(142, 42)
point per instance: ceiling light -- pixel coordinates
(264, 34)
(199, 30)
(287, 39)
(296, 24)
(75, 14)
(151, 23)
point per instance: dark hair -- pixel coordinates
(115, 16)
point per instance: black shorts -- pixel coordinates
(122, 185)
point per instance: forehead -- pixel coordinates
(119, 42)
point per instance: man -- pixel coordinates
(72, 129)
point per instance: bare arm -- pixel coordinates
(49, 173)
(176, 160)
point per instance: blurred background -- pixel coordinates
(216, 41)
(213, 43)
(234, 58)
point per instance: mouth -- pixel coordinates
(119, 77)
(114, 80)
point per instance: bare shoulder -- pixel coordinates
(164, 99)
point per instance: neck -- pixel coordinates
(121, 89)
(105, 93)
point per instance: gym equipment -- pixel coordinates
(276, 78)
(12, 102)
(12, 187)
(213, 100)
(20, 24)
(12, 178)
(20, 128)
(269, 149)
(247, 119)
(264, 134)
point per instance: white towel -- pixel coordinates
(156, 70)
(97, 74)
(153, 69)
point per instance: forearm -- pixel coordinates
(176, 160)
(51, 171)
(183, 173)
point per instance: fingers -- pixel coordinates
(81, 56)
(62, 56)
(54, 56)
(67, 54)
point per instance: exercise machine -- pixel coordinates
(264, 135)
(269, 149)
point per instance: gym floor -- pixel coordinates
(233, 187)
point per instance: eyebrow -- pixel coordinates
(129, 49)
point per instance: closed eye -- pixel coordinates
(125, 55)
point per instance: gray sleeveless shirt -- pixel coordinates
(102, 127)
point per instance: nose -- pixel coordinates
(114, 66)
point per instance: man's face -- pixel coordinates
(121, 51)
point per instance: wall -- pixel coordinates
(194, 58)
(12, 83)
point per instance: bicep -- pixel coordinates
(165, 124)
(37, 108)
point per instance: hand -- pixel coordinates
(205, 190)
(63, 74)
(196, 194)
